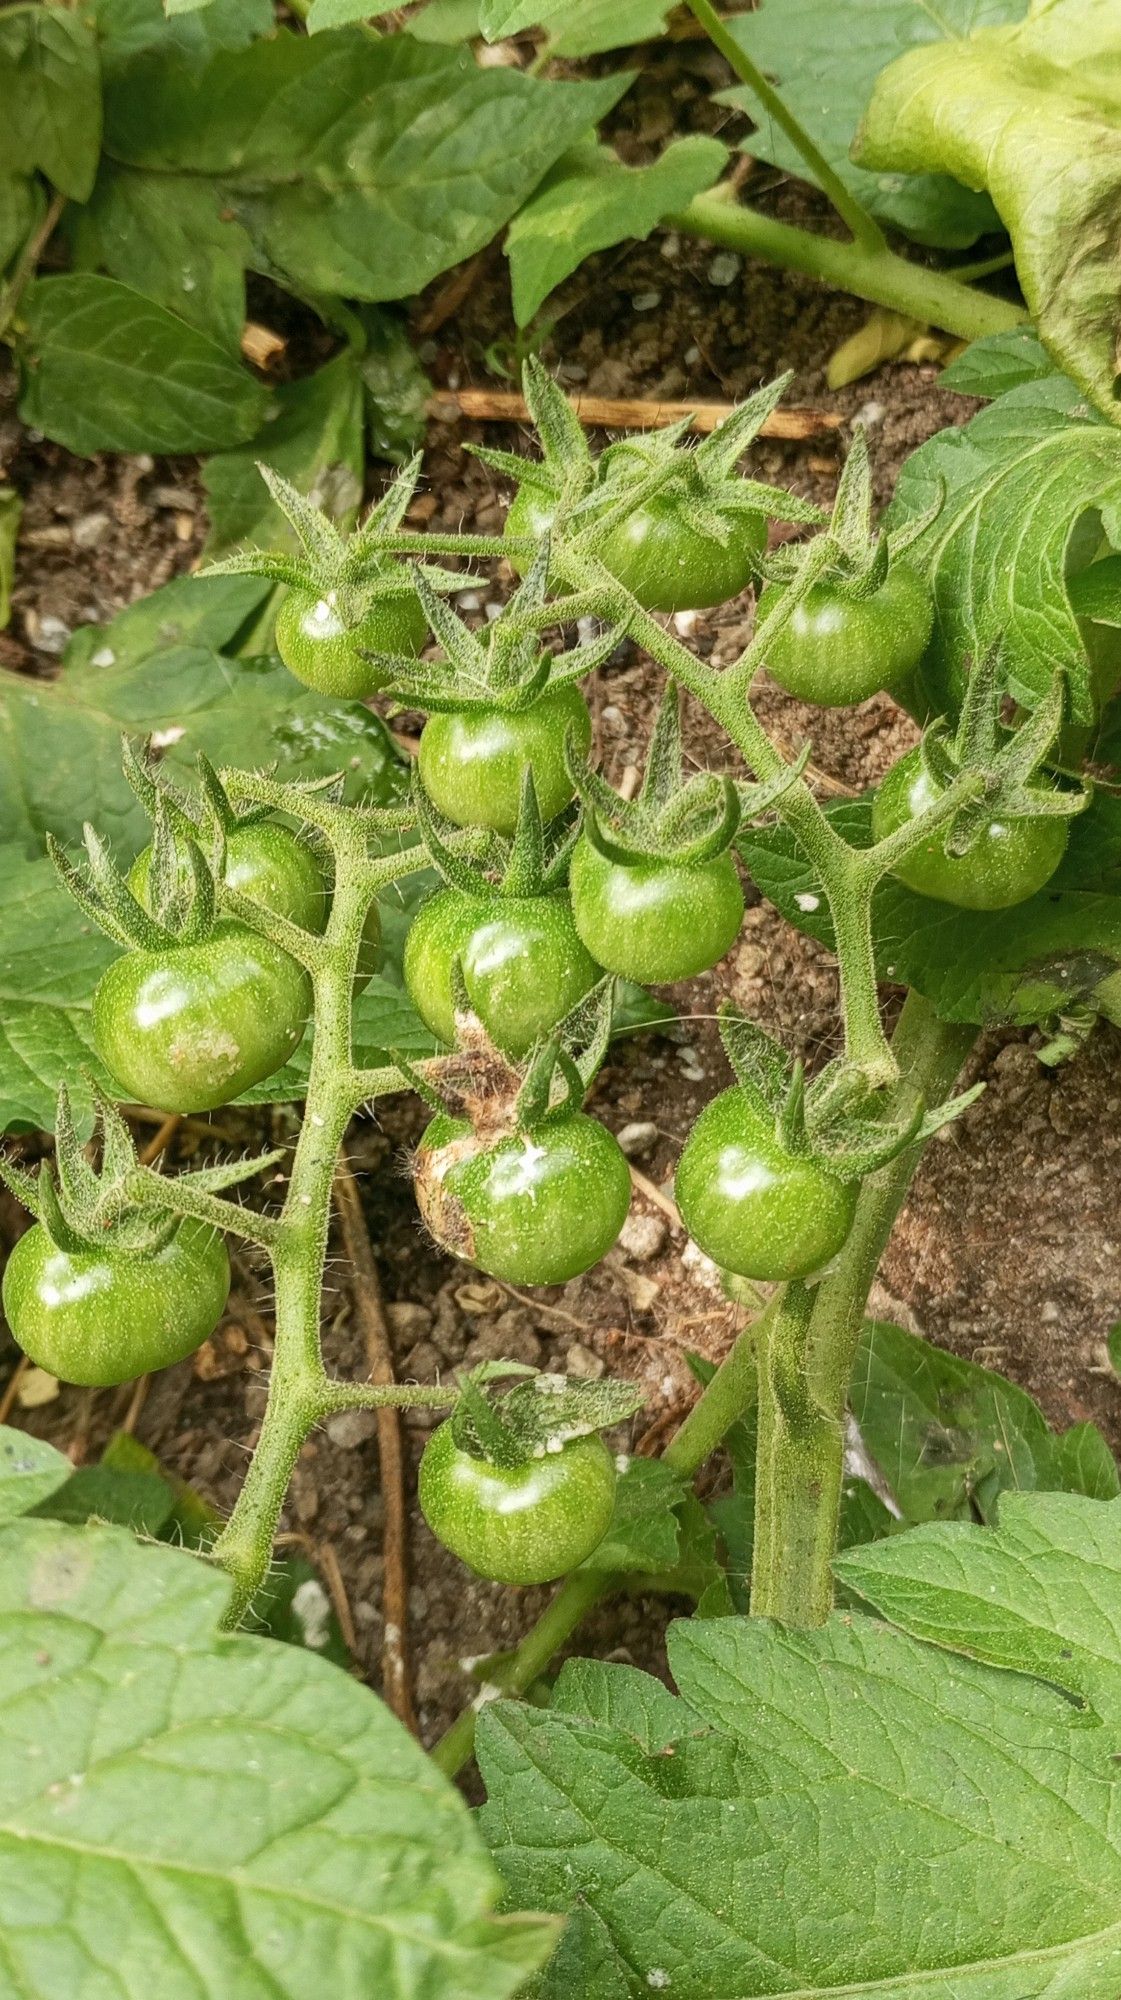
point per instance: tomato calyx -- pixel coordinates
(590, 498)
(346, 578)
(117, 1206)
(840, 1120)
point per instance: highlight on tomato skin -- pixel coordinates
(522, 1524)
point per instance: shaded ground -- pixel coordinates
(1007, 1252)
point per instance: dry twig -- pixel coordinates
(366, 1292)
(628, 414)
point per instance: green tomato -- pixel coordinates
(667, 563)
(752, 1206)
(523, 965)
(1011, 859)
(190, 1026)
(521, 1524)
(472, 761)
(320, 649)
(105, 1315)
(655, 921)
(533, 1209)
(274, 866)
(836, 650)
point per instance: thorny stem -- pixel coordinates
(865, 229)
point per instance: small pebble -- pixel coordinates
(53, 635)
(724, 268)
(582, 1365)
(351, 1428)
(644, 302)
(637, 1138)
(90, 529)
(643, 1237)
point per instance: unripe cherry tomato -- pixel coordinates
(521, 1524)
(836, 650)
(533, 1209)
(752, 1206)
(190, 1026)
(655, 921)
(523, 964)
(273, 865)
(656, 552)
(325, 653)
(472, 761)
(106, 1315)
(1011, 859)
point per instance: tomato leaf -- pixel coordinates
(797, 1768)
(314, 440)
(21, 205)
(128, 28)
(166, 238)
(1029, 112)
(51, 93)
(1023, 485)
(251, 1813)
(825, 56)
(359, 165)
(997, 363)
(576, 27)
(30, 1471)
(591, 200)
(106, 369)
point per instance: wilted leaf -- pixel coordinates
(1031, 112)
(825, 56)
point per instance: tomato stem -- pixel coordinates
(934, 298)
(800, 1462)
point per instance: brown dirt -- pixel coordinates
(1007, 1251)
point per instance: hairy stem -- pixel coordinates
(806, 1363)
(865, 229)
(884, 279)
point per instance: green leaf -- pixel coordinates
(21, 205)
(166, 238)
(216, 1815)
(444, 21)
(360, 165)
(51, 92)
(130, 28)
(11, 509)
(30, 1471)
(1040, 1594)
(850, 1811)
(60, 759)
(106, 369)
(314, 439)
(50, 961)
(1084, 1463)
(645, 1531)
(997, 363)
(1029, 112)
(825, 56)
(591, 200)
(142, 1502)
(577, 27)
(1022, 964)
(947, 1435)
(1024, 483)
(395, 387)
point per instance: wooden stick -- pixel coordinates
(627, 414)
(366, 1293)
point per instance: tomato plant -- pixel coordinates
(232, 931)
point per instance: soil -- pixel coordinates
(1007, 1251)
